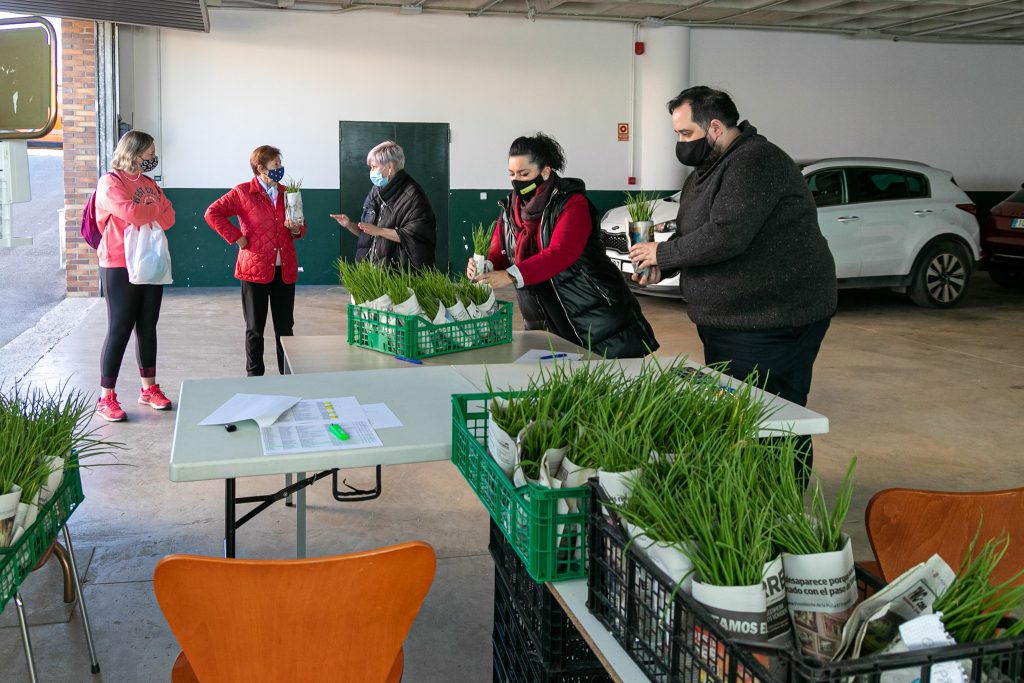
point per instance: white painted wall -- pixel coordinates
(958, 107)
(287, 78)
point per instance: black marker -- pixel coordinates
(230, 428)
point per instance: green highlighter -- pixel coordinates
(339, 433)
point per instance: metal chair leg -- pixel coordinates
(288, 499)
(81, 600)
(65, 567)
(24, 637)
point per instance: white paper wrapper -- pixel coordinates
(479, 260)
(821, 591)
(671, 559)
(55, 463)
(618, 486)
(27, 512)
(463, 336)
(293, 207)
(8, 509)
(755, 614)
(411, 306)
(488, 307)
(503, 447)
(909, 595)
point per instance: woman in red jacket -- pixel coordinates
(126, 198)
(267, 265)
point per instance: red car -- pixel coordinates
(1002, 241)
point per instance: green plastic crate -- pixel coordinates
(18, 560)
(413, 337)
(551, 544)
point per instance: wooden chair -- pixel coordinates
(907, 526)
(340, 618)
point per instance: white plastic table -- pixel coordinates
(419, 396)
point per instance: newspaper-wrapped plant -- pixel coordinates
(973, 606)
(293, 200)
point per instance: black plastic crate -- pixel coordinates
(674, 639)
(551, 635)
(669, 636)
(515, 663)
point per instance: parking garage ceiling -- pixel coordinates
(971, 21)
(952, 21)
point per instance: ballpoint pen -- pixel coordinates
(409, 360)
(551, 356)
(338, 432)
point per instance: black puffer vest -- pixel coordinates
(588, 303)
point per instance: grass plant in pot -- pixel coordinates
(731, 513)
(506, 418)
(641, 209)
(481, 235)
(821, 583)
(293, 201)
(654, 518)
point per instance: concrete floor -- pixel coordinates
(924, 398)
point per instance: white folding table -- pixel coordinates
(419, 396)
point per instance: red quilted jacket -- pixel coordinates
(262, 223)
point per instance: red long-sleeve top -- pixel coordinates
(568, 237)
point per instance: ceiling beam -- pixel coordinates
(942, 15)
(966, 24)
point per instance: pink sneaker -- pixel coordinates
(109, 409)
(154, 398)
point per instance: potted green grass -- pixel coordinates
(974, 605)
(293, 201)
(815, 552)
(731, 515)
(481, 235)
(640, 207)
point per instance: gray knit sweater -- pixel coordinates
(750, 253)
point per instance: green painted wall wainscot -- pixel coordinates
(202, 258)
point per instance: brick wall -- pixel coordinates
(80, 150)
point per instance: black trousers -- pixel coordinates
(783, 359)
(129, 307)
(255, 300)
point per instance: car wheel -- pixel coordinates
(941, 276)
(1005, 275)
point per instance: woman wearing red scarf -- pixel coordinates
(547, 245)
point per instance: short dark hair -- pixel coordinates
(542, 149)
(707, 104)
(261, 156)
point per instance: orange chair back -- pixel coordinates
(337, 618)
(907, 526)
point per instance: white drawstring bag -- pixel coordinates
(146, 255)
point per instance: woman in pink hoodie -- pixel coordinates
(125, 200)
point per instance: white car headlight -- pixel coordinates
(667, 226)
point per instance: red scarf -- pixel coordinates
(527, 217)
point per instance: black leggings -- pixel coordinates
(129, 307)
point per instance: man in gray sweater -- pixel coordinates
(756, 271)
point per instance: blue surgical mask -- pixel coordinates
(275, 174)
(378, 178)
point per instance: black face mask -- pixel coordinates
(527, 188)
(694, 152)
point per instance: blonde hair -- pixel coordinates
(130, 147)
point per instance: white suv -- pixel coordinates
(896, 224)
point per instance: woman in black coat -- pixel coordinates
(398, 227)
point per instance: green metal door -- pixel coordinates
(426, 160)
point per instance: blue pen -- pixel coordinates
(551, 356)
(409, 360)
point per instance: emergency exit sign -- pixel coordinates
(623, 132)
